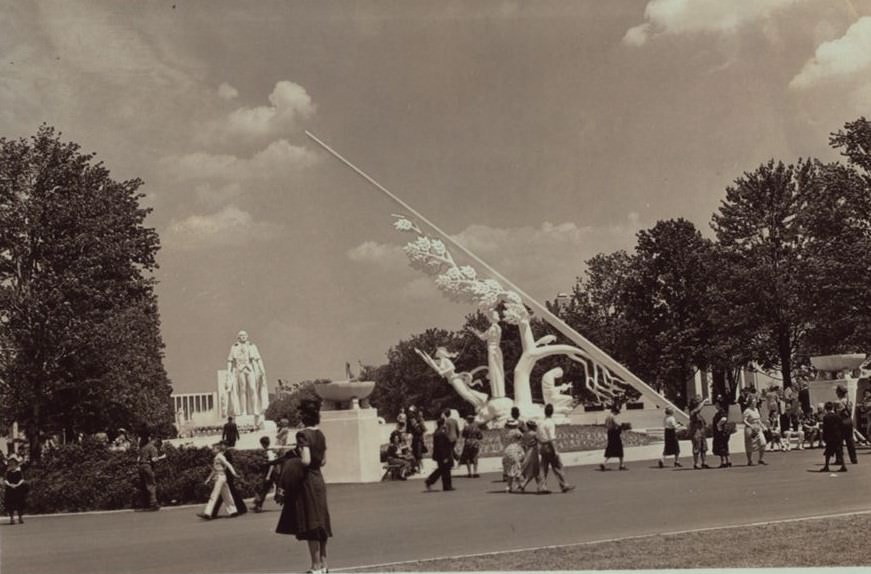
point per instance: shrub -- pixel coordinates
(88, 476)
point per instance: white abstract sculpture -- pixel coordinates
(495, 360)
(461, 382)
(245, 390)
(551, 392)
(461, 284)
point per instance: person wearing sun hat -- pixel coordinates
(15, 492)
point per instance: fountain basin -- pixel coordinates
(344, 391)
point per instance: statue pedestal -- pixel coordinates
(353, 445)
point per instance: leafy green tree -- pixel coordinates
(667, 300)
(763, 243)
(79, 324)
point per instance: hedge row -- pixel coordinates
(89, 476)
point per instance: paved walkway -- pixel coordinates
(397, 521)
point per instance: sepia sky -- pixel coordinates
(537, 133)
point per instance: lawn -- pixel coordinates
(819, 542)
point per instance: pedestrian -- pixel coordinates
(512, 461)
(220, 489)
(754, 433)
(614, 448)
(722, 431)
(417, 428)
(844, 408)
(15, 492)
(148, 455)
(531, 457)
(307, 515)
(697, 430)
(443, 455)
(230, 434)
(452, 427)
(671, 446)
(833, 429)
(472, 437)
(549, 456)
(267, 472)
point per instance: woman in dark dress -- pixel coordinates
(722, 431)
(614, 448)
(305, 513)
(15, 491)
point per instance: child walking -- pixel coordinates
(671, 446)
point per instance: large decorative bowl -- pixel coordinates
(344, 391)
(835, 363)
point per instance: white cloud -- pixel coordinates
(227, 92)
(839, 58)
(280, 157)
(229, 227)
(381, 254)
(217, 195)
(289, 103)
(664, 17)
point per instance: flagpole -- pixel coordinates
(595, 352)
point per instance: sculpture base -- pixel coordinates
(353, 445)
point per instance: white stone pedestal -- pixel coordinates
(353, 445)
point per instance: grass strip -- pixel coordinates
(815, 542)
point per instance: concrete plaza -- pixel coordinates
(398, 521)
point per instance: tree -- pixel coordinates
(763, 242)
(667, 298)
(79, 324)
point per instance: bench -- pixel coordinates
(391, 470)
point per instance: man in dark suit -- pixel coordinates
(833, 438)
(231, 433)
(443, 455)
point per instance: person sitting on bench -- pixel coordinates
(399, 460)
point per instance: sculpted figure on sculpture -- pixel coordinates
(245, 390)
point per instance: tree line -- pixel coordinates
(782, 275)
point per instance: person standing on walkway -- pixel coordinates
(722, 432)
(417, 428)
(443, 455)
(472, 437)
(671, 446)
(231, 433)
(614, 448)
(307, 515)
(266, 477)
(15, 491)
(148, 455)
(549, 456)
(754, 433)
(452, 427)
(697, 430)
(833, 429)
(844, 407)
(220, 489)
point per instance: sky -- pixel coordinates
(538, 134)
